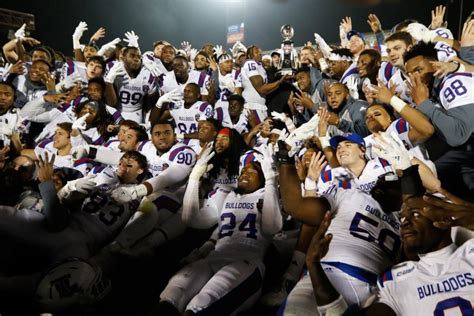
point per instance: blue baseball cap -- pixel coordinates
(351, 137)
(359, 34)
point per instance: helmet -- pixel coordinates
(71, 282)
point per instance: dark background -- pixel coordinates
(199, 21)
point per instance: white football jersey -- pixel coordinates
(399, 81)
(386, 71)
(457, 89)
(131, 94)
(179, 154)
(239, 227)
(350, 72)
(71, 68)
(445, 52)
(11, 118)
(235, 78)
(441, 283)
(341, 177)
(221, 114)
(364, 236)
(224, 182)
(249, 69)
(100, 217)
(60, 161)
(187, 119)
(200, 78)
(401, 128)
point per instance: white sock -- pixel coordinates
(293, 271)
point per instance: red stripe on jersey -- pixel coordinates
(401, 126)
(177, 151)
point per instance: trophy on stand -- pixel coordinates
(288, 53)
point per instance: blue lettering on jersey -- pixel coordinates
(449, 285)
(239, 205)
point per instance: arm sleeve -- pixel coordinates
(174, 174)
(272, 221)
(467, 54)
(454, 126)
(193, 215)
(36, 111)
(357, 122)
(56, 216)
(380, 37)
(107, 156)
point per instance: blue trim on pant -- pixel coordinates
(356, 272)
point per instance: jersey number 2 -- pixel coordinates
(247, 225)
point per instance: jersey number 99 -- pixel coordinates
(129, 98)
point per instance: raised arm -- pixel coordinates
(307, 210)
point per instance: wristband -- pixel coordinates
(324, 140)
(309, 184)
(460, 67)
(337, 307)
(397, 103)
(180, 136)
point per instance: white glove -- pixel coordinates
(299, 135)
(421, 33)
(6, 129)
(266, 161)
(124, 194)
(238, 47)
(6, 70)
(81, 185)
(192, 54)
(69, 82)
(131, 39)
(108, 47)
(323, 46)
(80, 123)
(172, 96)
(283, 136)
(76, 37)
(352, 84)
(20, 33)
(118, 69)
(81, 151)
(218, 50)
(186, 46)
(280, 116)
(151, 66)
(391, 148)
(343, 36)
(201, 166)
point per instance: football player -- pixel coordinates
(247, 217)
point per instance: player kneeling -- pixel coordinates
(229, 279)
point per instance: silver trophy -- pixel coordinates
(288, 53)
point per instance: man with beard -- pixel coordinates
(345, 113)
(128, 84)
